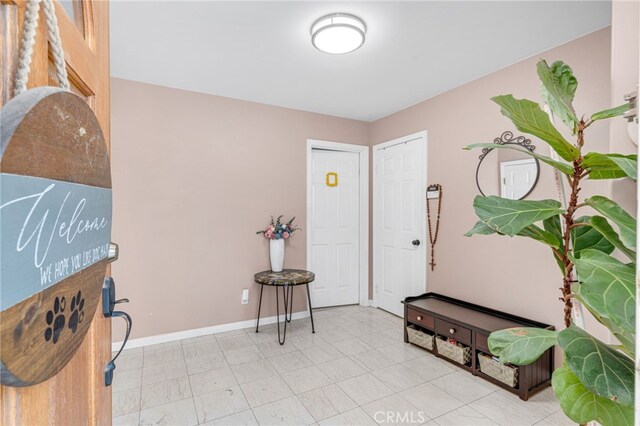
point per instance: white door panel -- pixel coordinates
(399, 219)
(518, 177)
(335, 214)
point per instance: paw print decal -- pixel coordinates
(77, 311)
(55, 320)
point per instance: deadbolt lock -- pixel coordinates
(114, 252)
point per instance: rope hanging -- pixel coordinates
(29, 30)
(56, 43)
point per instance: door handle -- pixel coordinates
(111, 365)
(415, 242)
(108, 305)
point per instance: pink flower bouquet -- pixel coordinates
(277, 230)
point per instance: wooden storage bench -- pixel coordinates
(470, 325)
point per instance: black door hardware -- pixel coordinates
(108, 305)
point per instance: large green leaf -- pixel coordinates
(582, 406)
(480, 228)
(602, 167)
(626, 338)
(607, 287)
(616, 214)
(602, 225)
(563, 167)
(611, 166)
(558, 89)
(586, 237)
(528, 117)
(512, 216)
(611, 112)
(522, 345)
(627, 163)
(552, 225)
(531, 231)
(603, 370)
(539, 234)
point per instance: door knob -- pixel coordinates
(415, 242)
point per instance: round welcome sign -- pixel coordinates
(55, 228)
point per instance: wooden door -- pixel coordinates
(77, 395)
(335, 233)
(399, 221)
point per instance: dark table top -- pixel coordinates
(476, 317)
(286, 277)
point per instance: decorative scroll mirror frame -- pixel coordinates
(507, 138)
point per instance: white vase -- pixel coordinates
(276, 254)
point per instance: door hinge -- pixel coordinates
(632, 113)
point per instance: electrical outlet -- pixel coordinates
(245, 296)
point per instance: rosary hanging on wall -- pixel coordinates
(433, 191)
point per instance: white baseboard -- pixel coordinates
(196, 332)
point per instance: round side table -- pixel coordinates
(287, 280)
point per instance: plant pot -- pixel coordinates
(276, 254)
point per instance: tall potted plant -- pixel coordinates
(596, 380)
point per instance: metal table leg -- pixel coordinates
(259, 306)
(284, 295)
(290, 298)
(313, 329)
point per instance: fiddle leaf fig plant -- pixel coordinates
(596, 255)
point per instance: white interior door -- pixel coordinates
(517, 178)
(335, 212)
(399, 221)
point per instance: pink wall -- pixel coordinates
(625, 49)
(194, 177)
(515, 275)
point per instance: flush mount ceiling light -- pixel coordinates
(338, 33)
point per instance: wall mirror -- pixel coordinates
(506, 172)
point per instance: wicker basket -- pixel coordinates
(458, 353)
(420, 338)
(507, 374)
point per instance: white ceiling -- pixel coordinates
(261, 51)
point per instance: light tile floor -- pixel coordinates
(355, 370)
